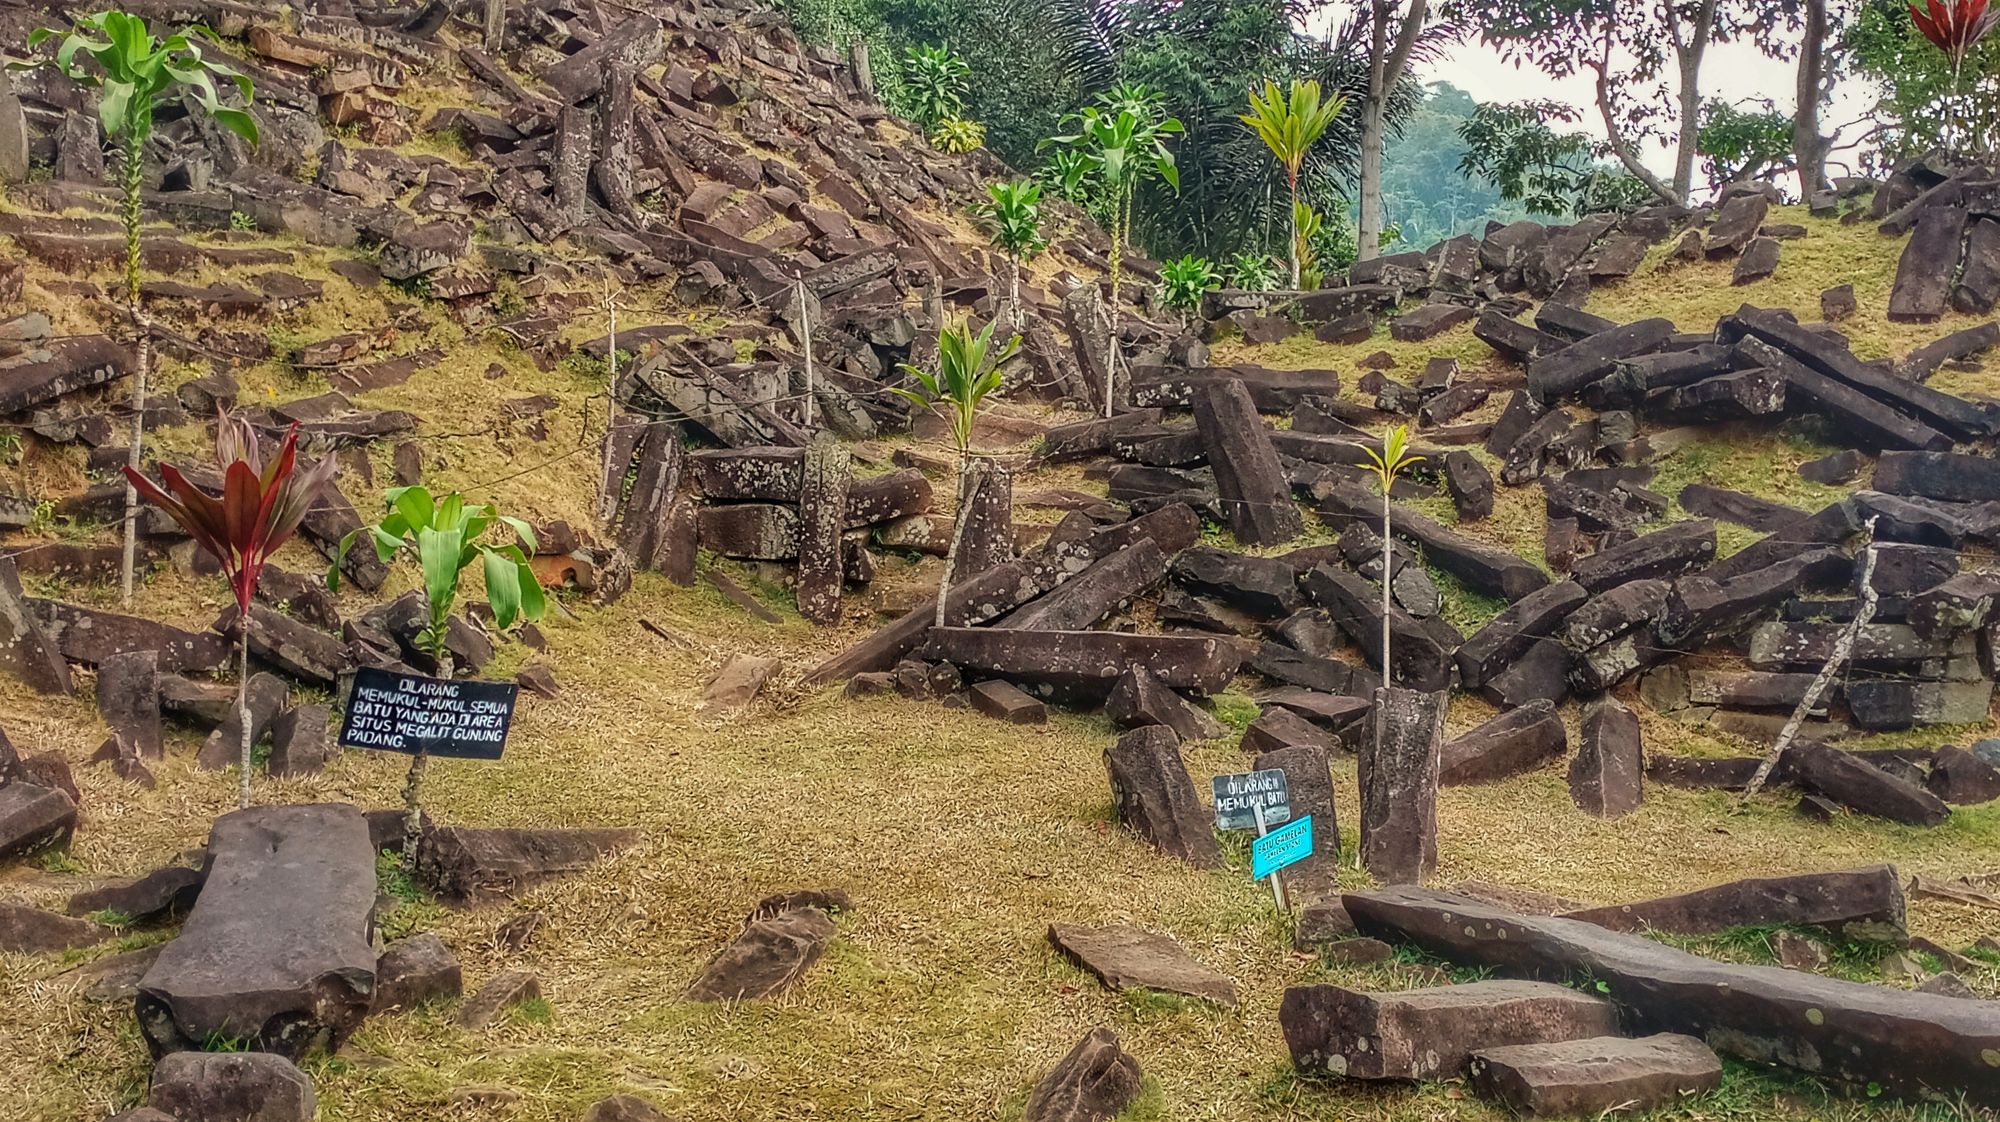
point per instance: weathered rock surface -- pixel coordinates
(1156, 798)
(1431, 1033)
(231, 1087)
(276, 950)
(1517, 741)
(1863, 905)
(1094, 1082)
(769, 957)
(1139, 699)
(1125, 957)
(1399, 784)
(33, 817)
(26, 930)
(1913, 1045)
(412, 971)
(1602, 1075)
(470, 865)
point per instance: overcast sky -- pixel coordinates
(1734, 71)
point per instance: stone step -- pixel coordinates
(1587, 1078)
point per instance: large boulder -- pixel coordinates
(1156, 798)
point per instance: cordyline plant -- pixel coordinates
(132, 71)
(1389, 464)
(1289, 126)
(1183, 282)
(445, 536)
(260, 508)
(968, 370)
(1955, 27)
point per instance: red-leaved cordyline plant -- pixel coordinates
(261, 507)
(1955, 27)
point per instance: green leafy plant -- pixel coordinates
(446, 536)
(1122, 142)
(133, 70)
(1289, 126)
(1252, 272)
(968, 370)
(1307, 226)
(957, 135)
(1184, 281)
(935, 82)
(1012, 214)
(261, 506)
(1389, 464)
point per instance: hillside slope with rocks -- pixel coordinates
(766, 840)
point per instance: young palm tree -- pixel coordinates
(133, 71)
(1013, 213)
(968, 370)
(1388, 464)
(1123, 143)
(1289, 126)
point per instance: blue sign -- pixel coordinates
(1283, 846)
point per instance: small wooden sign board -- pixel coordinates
(409, 713)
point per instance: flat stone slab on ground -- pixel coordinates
(276, 951)
(1431, 1033)
(26, 930)
(1125, 957)
(33, 817)
(769, 957)
(1915, 1045)
(501, 992)
(1599, 1076)
(467, 865)
(1004, 701)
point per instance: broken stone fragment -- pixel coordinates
(1125, 957)
(231, 1087)
(412, 971)
(502, 992)
(769, 957)
(1598, 1076)
(1156, 799)
(1094, 1082)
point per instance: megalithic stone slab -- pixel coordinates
(232, 1086)
(466, 865)
(128, 698)
(1861, 786)
(1956, 417)
(1556, 376)
(1861, 904)
(1516, 741)
(26, 648)
(224, 747)
(1506, 636)
(1946, 476)
(1279, 728)
(1484, 568)
(1309, 777)
(1663, 553)
(986, 519)
(1914, 1045)
(1087, 659)
(276, 951)
(1399, 784)
(1139, 699)
(1470, 486)
(1078, 603)
(1736, 225)
(1156, 799)
(1431, 1033)
(1264, 586)
(1978, 287)
(1094, 1082)
(1607, 773)
(1929, 265)
(1875, 424)
(1124, 957)
(1756, 513)
(1419, 661)
(1256, 495)
(824, 481)
(1596, 1077)
(33, 817)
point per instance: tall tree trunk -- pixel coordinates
(1621, 145)
(243, 706)
(1689, 53)
(1809, 145)
(135, 147)
(1120, 230)
(1296, 247)
(1387, 60)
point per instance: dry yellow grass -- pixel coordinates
(959, 838)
